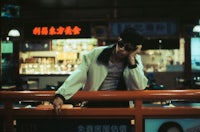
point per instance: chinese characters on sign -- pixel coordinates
(102, 128)
(145, 28)
(46, 31)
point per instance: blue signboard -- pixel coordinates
(145, 28)
(75, 125)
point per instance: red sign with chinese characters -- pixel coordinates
(69, 30)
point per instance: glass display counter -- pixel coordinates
(62, 57)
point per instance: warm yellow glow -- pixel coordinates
(14, 33)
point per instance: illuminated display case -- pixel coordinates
(7, 67)
(59, 56)
(195, 54)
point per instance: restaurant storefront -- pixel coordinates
(47, 53)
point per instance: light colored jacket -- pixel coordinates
(90, 75)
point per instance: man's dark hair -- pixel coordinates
(132, 36)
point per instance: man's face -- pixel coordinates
(121, 52)
(124, 49)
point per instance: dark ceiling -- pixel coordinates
(186, 11)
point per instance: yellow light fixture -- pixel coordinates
(197, 28)
(14, 33)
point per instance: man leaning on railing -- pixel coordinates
(113, 67)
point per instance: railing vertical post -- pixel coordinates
(138, 116)
(9, 127)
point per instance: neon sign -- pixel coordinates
(60, 30)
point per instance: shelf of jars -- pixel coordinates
(63, 58)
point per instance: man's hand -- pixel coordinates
(57, 104)
(133, 53)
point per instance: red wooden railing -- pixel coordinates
(138, 112)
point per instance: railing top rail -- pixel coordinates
(105, 95)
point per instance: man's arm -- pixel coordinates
(134, 75)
